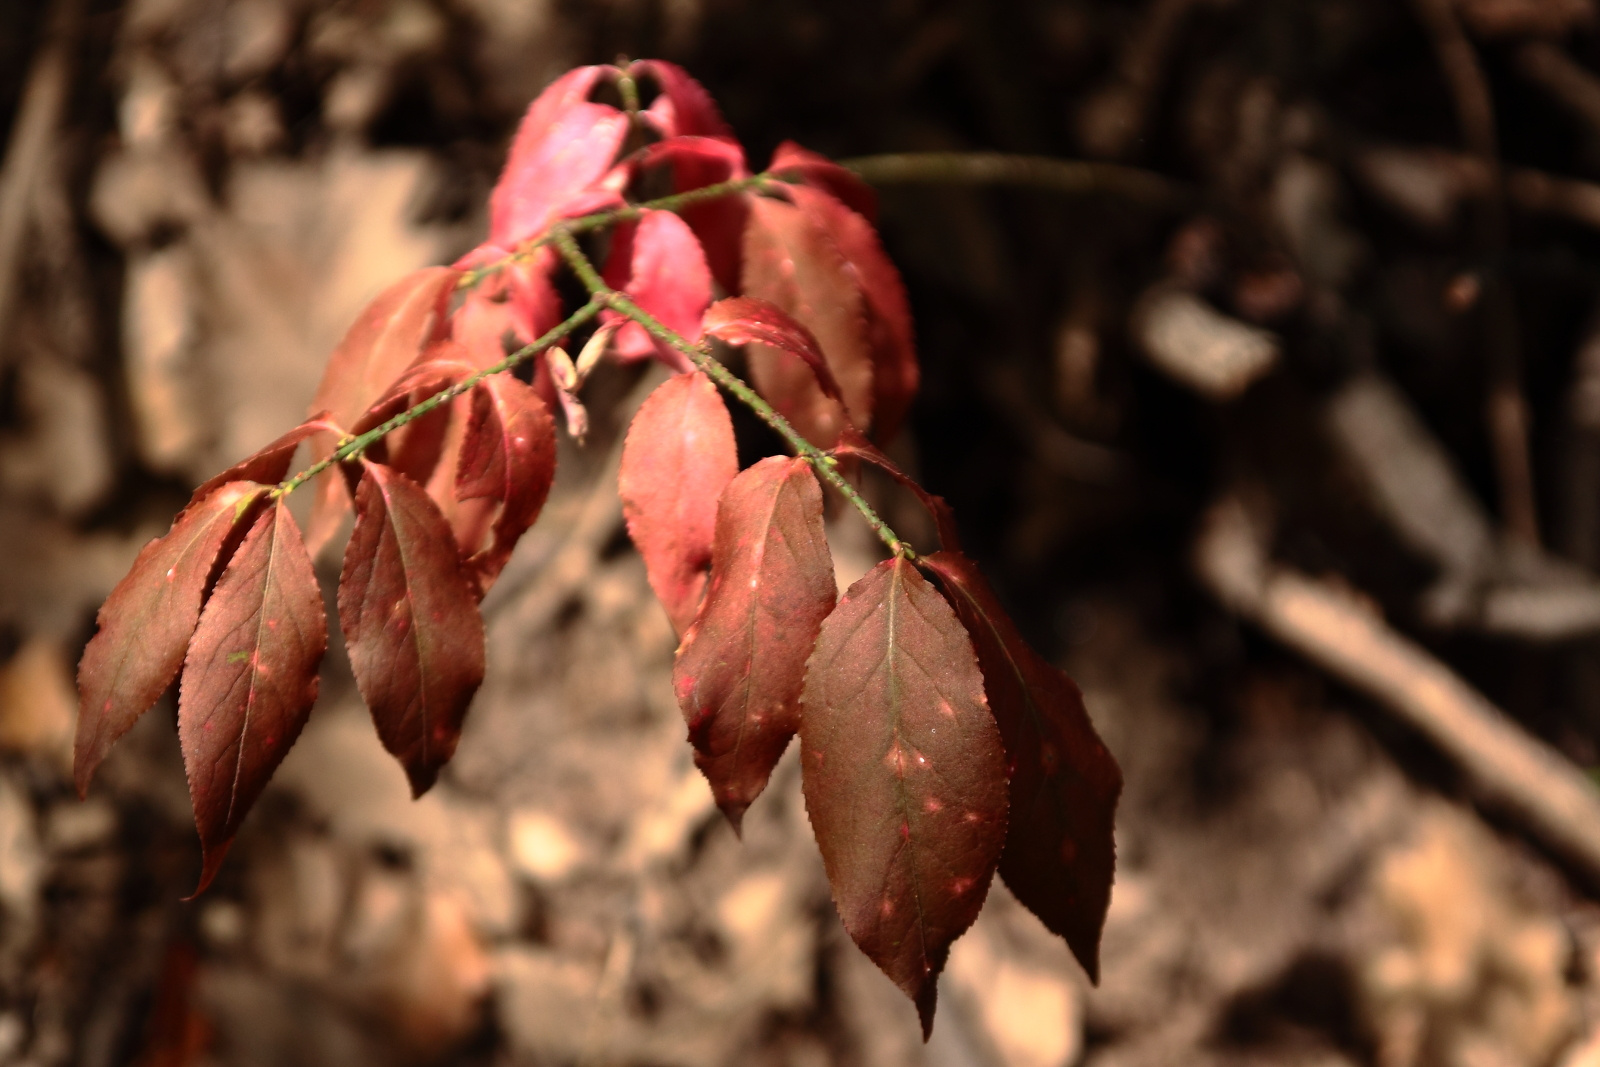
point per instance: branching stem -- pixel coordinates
(825, 465)
(352, 447)
(601, 219)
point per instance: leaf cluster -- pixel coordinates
(937, 747)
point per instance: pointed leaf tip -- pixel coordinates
(411, 623)
(1060, 852)
(739, 673)
(250, 677)
(904, 774)
(678, 457)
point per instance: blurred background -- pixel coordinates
(1291, 455)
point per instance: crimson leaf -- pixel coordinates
(695, 162)
(742, 320)
(791, 160)
(678, 457)
(387, 338)
(683, 106)
(562, 149)
(659, 263)
(739, 672)
(249, 679)
(895, 374)
(904, 774)
(508, 456)
(411, 622)
(1059, 855)
(790, 261)
(147, 621)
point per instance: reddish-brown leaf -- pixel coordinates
(895, 373)
(693, 163)
(904, 774)
(508, 457)
(742, 320)
(383, 342)
(659, 263)
(249, 679)
(790, 261)
(792, 161)
(683, 108)
(739, 672)
(1059, 856)
(411, 623)
(270, 464)
(852, 445)
(147, 621)
(678, 457)
(563, 148)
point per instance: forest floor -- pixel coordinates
(1296, 470)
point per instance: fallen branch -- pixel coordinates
(1342, 633)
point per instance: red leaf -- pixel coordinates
(417, 448)
(563, 148)
(793, 161)
(1059, 855)
(790, 261)
(482, 322)
(270, 465)
(904, 774)
(695, 162)
(678, 457)
(147, 621)
(742, 320)
(895, 374)
(411, 623)
(386, 339)
(683, 107)
(249, 679)
(535, 304)
(659, 263)
(854, 446)
(508, 456)
(739, 672)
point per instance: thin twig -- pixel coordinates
(601, 219)
(353, 447)
(1070, 176)
(1567, 81)
(1342, 633)
(826, 467)
(1506, 406)
(28, 152)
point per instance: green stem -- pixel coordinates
(602, 219)
(352, 447)
(1001, 168)
(825, 465)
